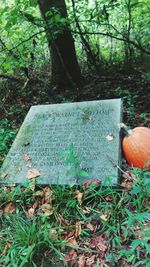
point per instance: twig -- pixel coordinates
(118, 167)
(25, 84)
(11, 77)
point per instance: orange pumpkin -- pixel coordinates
(136, 147)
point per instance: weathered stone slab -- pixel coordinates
(92, 129)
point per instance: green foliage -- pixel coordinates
(28, 240)
(122, 215)
(7, 134)
(73, 161)
(22, 31)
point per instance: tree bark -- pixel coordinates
(65, 68)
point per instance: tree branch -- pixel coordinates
(11, 77)
(24, 41)
(138, 46)
(9, 51)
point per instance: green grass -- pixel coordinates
(120, 217)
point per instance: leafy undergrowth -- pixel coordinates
(75, 226)
(88, 225)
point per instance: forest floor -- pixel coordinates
(80, 226)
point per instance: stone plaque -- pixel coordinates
(66, 143)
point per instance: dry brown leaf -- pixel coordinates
(47, 209)
(31, 212)
(101, 246)
(109, 198)
(127, 184)
(35, 205)
(104, 217)
(129, 176)
(7, 189)
(71, 256)
(39, 193)
(90, 226)
(62, 221)
(26, 157)
(71, 241)
(7, 246)
(81, 261)
(9, 208)
(53, 233)
(89, 182)
(79, 196)
(90, 261)
(102, 263)
(86, 211)
(48, 195)
(70, 234)
(32, 173)
(99, 242)
(78, 229)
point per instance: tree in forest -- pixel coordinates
(65, 68)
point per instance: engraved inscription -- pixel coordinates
(48, 130)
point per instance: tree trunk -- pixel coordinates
(65, 68)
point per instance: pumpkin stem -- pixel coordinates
(125, 129)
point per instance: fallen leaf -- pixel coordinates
(89, 182)
(90, 226)
(7, 246)
(104, 217)
(79, 196)
(39, 193)
(53, 234)
(99, 242)
(47, 209)
(62, 221)
(48, 195)
(53, 231)
(129, 176)
(86, 211)
(81, 261)
(90, 261)
(78, 229)
(35, 205)
(72, 241)
(101, 246)
(9, 208)
(31, 212)
(127, 184)
(32, 173)
(26, 157)
(70, 257)
(109, 198)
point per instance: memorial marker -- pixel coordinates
(90, 128)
